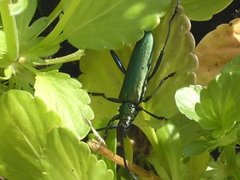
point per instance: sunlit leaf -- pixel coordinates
(100, 74)
(98, 69)
(32, 148)
(167, 152)
(217, 109)
(66, 157)
(111, 24)
(25, 123)
(59, 91)
(185, 127)
(201, 10)
(186, 99)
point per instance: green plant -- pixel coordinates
(215, 109)
(45, 115)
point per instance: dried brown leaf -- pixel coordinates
(216, 49)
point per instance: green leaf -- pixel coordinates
(185, 127)
(63, 95)
(24, 19)
(168, 155)
(95, 78)
(167, 152)
(232, 66)
(201, 10)
(22, 78)
(31, 148)
(28, 34)
(34, 50)
(227, 166)
(197, 166)
(186, 99)
(197, 147)
(219, 102)
(111, 24)
(25, 122)
(100, 74)
(66, 157)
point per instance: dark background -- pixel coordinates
(201, 28)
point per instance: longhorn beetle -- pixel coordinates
(135, 83)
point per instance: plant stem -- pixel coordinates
(30, 68)
(53, 35)
(54, 14)
(104, 151)
(10, 30)
(68, 58)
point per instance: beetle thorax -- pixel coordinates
(128, 111)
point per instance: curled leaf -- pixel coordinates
(216, 49)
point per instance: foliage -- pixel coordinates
(202, 10)
(46, 116)
(214, 108)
